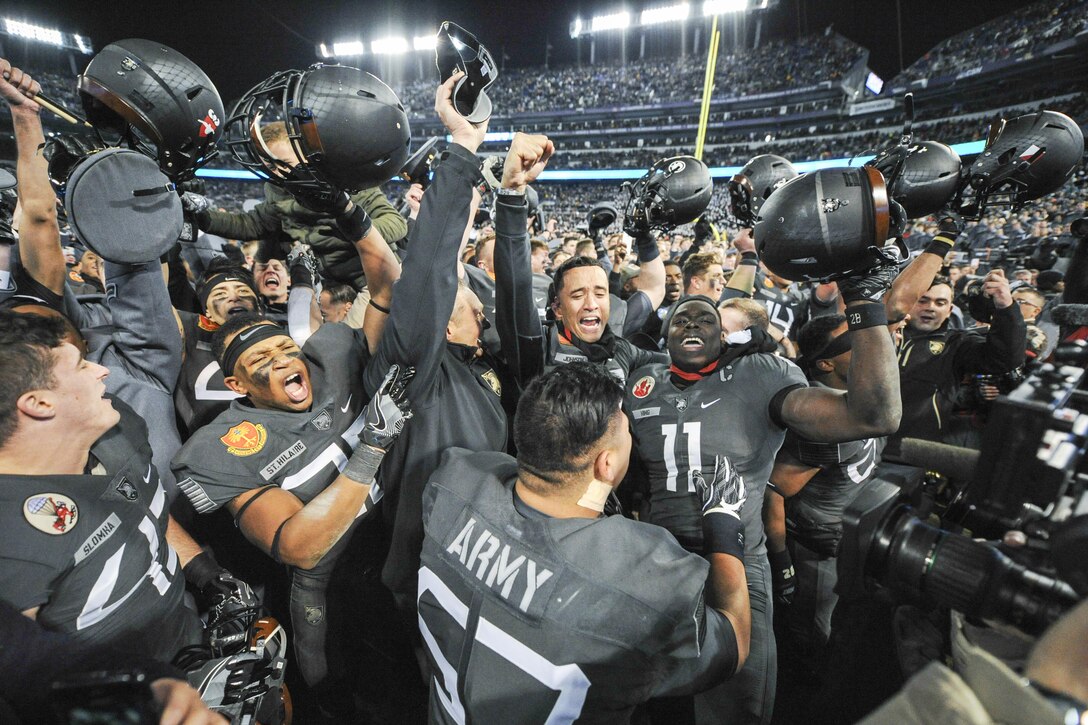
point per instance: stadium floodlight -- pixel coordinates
(576, 28)
(613, 21)
(719, 7)
(425, 42)
(389, 46)
(83, 44)
(350, 47)
(33, 32)
(668, 14)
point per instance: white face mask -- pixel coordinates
(740, 337)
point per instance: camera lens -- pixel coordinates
(972, 577)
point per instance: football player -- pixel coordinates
(523, 578)
(89, 547)
(737, 400)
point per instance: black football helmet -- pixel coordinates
(751, 186)
(1026, 158)
(828, 225)
(157, 100)
(922, 176)
(674, 191)
(346, 127)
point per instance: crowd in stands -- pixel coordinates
(1014, 36)
(770, 67)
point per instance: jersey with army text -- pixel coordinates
(518, 611)
(302, 452)
(678, 432)
(90, 550)
(201, 393)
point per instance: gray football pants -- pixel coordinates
(748, 697)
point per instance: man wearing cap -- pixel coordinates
(731, 397)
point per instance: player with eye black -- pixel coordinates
(523, 579)
(737, 400)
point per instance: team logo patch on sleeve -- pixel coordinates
(245, 439)
(643, 387)
(51, 513)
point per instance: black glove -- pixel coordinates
(870, 286)
(949, 222)
(389, 409)
(218, 589)
(195, 203)
(302, 265)
(314, 193)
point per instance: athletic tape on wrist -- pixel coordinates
(363, 464)
(941, 244)
(723, 534)
(859, 317)
(595, 496)
(355, 224)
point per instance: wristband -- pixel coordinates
(378, 307)
(749, 258)
(503, 191)
(354, 224)
(201, 569)
(870, 314)
(940, 244)
(647, 248)
(363, 464)
(723, 534)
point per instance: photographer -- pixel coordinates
(934, 358)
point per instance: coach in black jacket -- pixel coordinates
(435, 324)
(934, 358)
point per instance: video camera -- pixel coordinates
(1008, 545)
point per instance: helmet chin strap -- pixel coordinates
(595, 496)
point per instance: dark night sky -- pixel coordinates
(240, 42)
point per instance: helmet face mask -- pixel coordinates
(1025, 158)
(674, 191)
(124, 91)
(323, 109)
(750, 187)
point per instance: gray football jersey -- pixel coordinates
(246, 448)
(678, 432)
(814, 514)
(527, 618)
(91, 552)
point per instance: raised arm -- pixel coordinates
(39, 235)
(423, 298)
(871, 405)
(913, 281)
(742, 282)
(516, 316)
